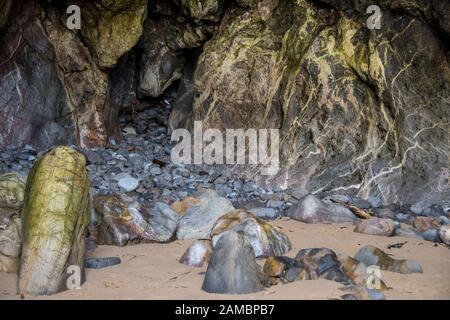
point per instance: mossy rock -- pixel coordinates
(55, 217)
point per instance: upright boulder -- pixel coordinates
(55, 217)
(233, 268)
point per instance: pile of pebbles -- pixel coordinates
(140, 165)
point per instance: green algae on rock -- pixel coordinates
(112, 28)
(55, 217)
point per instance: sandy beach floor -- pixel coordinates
(151, 271)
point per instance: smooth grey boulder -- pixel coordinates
(233, 268)
(313, 210)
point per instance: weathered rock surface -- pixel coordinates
(125, 221)
(284, 268)
(312, 210)
(199, 219)
(111, 28)
(265, 239)
(371, 255)
(233, 268)
(12, 186)
(322, 263)
(376, 227)
(320, 75)
(444, 234)
(198, 254)
(360, 274)
(100, 263)
(54, 218)
(203, 9)
(423, 224)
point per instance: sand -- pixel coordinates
(151, 271)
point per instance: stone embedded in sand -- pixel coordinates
(423, 224)
(444, 234)
(358, 271)
(100, 263)
(199, 219)
(233, 268)
(376, 226)
(371, 255)
(361, 292)
(312, 210)
(322, 263)
(54, 219)
(125, 221)
(284, 268)
(198, 254)
(180, 207)
(265, 239)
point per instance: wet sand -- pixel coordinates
(151, 271)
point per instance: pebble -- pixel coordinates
(128, 184)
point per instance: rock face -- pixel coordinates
(199, 219)
(376, 227)
(125, 221)
(371, 255)
(233, 268)
(312, 210)
(12, 188)
(319, 75)
(265, 239)
(55, 217)
(33, 105)
(111, 28)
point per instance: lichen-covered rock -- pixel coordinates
(86, 86)
(371, 255)
(320, 75)
(125, 221)
(233, 268)
(312, 210)
(54, 218)
(203, 9)
(285, 268)
(12, 187)
(376, 227)
(198, 254)
(111, 28)
(10, 241)
(199, 219)
(265, 239)
(359, 273)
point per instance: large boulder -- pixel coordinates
(199, 219)
(265, 239)
(376, 227)
(359, 111)
(112, 28)
(55, 217)
(125, 221)
(233, 268)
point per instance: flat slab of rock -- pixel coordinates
(376, 227)
(54, 218)
(233, 268)
(100, 263)
(371, 255)
(265, 239)
(198, 254)
(125, 221)
(313, 210)
(199, 219)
